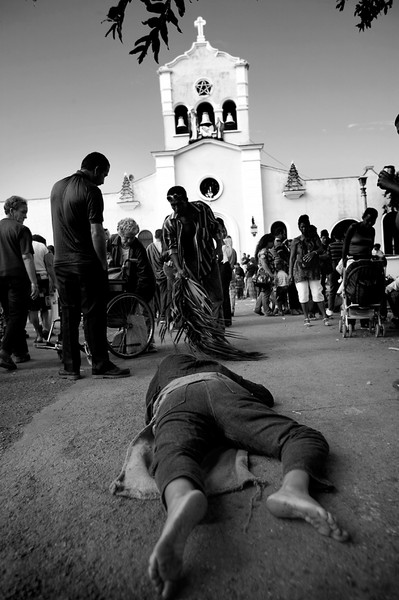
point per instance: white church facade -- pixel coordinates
(209, 151)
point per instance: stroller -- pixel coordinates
(362, 293)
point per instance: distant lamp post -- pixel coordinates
(254, 227)
(362, 182)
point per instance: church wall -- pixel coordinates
(326, 201)
(143, 209)
(275, 205)
(209, 160)
(225, 165)
(203, 64)
(334, 200)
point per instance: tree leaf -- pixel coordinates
(153, 22)
(164, 33)
(112, 30)
(156, 7)
(173, 19)
(142, 39)
(180, 7)
(155, 44)
(138, 49)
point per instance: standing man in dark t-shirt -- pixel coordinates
(81, 266)
(17, 281)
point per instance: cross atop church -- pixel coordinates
(199, 24)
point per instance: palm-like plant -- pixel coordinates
(190, 317)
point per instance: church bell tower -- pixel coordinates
(204, 94)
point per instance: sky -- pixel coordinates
(321, 94)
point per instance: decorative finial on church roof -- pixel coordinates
(294, 182)
(127, 193)
(199, 24)
(294, 188)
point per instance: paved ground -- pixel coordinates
(63, 536)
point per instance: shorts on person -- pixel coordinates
(42, 302)
(315, 287)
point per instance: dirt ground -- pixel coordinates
(63, 536)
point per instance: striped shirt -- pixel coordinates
(335, 252)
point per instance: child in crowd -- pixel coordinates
(239, 279)
(281, 284)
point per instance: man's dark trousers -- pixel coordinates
(83, 290)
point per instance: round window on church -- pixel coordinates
(210, 189)
(203, 87)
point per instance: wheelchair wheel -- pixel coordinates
(130, 325)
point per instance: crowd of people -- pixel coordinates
(304, 275)
(284, 276)
(191, 243)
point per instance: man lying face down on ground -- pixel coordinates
(197, 404)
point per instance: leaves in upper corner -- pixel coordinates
(173, 19)
(155, 44)
(159, 28)
(158, 25)
(115, 15)
(367, 10)
(153, 22)
(164, 33)
(155, 7)
(181, 7)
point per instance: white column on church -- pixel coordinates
(164, 177)
(242, 101)
(252, 198)
(165, 83)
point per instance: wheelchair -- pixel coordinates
(130, 320)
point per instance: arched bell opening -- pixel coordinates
(181, 119)
(229, 115)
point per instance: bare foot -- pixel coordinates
(166, 561)
(288, 504)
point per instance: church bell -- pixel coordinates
(181, 127)
(205, 121)
(229, 122)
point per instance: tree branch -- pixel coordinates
(158, 25)
(367, 10)
(163, 16)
